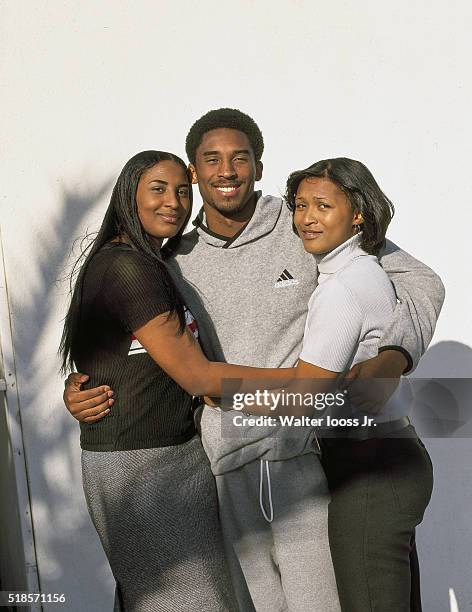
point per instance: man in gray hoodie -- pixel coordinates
(247, 279)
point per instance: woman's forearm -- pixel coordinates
(270, 391)
(249, 378)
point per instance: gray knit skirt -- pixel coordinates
(155, 511)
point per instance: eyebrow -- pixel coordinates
(323, 198)
(246, 151)
(166, 183)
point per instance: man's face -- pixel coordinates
(226, 170)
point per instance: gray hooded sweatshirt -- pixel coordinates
(249, 295)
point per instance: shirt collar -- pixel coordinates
(261, 223)
(338, 258)
(200, 222)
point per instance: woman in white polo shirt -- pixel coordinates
(380, 477)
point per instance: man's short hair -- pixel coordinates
(224, 118)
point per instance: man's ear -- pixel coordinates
(259, 169)
(193, 172)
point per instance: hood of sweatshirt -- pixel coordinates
(262, 222)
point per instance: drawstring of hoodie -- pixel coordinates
(268, 517)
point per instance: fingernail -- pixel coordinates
(110, 402)
(110, 393)
(105, 389)
(107, 410)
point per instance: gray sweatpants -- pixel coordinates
(286, 563)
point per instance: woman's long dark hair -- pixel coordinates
(121, 219)
(361, 189)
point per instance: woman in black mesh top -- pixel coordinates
(147, 480)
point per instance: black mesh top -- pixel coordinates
(122, 291)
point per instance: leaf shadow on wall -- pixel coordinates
(68, 552)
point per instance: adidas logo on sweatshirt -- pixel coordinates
(285, 280)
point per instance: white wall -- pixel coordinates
(86, 85)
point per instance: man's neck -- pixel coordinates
(229, 225)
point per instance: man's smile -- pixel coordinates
(227, 190)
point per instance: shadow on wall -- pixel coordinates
(447, 359)
(442, 405)
(63, 531)
(445, 537)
